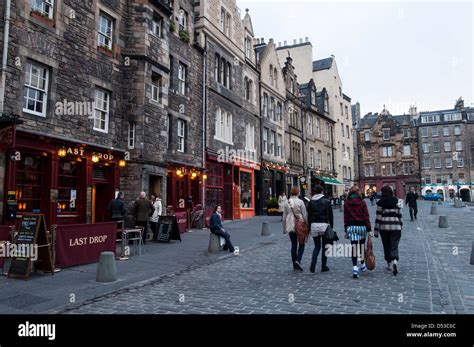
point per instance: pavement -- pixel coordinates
(435, 276)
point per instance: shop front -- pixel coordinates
(273, 184)
(328, 182)
(69, 182)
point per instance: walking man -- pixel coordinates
(142, 211)
(410, 200)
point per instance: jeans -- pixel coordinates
(318, 241)
(413, 210)
(154, 229)
(226, 237)
(294, 244)
(390, 241)
(358, 248)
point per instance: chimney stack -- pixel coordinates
(295, 41)
(284, 43)
(301, 40)
(306, 39)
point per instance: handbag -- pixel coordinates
(330, 235)
(369, 254)
(301, 228)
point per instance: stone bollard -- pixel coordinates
(443, 222)
(266, 229)
(214, 243)
(106, 271)
(433, 208)
(472, 253)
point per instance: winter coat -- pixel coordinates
(389, 216)
(297, 205)
(142, 210)
(158, 210)
(356, 213)
(411, 198)
(215, 223)
(117, 208)
(320, 210)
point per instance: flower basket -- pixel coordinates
(42, 18)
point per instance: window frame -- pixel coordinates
(44, 76)
(106, 111)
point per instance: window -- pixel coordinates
(248, 46)
(386, 134)
(387, 151)
(350, 172)
(344, 172)
(426, 147)
(271, 108)
(292, 86)
(347, 132)
(35, 90)
(182, 79)
(275, 74)
(458, 145)
(460, 162)
(223, 126)
(248, 89)
(342, 130)
(265, 105)
(245, 189)
(407, 168)
(131, 135)
(272, 142)
(182, 20)
(156, 84)
(369, 170)
(430, 119)
(228, 25)
(250, 137)
(217, 62)
(223, 14)
(434, 132)
(457, 130)
(319, 160)
(424, 132)
(101, 110)
(349, 153)
(311, 157)
(347, 112)
(271, 74)
(329, 164)
(437, 163)
(447, 146)
(228, 127)
(406, 133)
(44, 7)
(406, 150)
(313, 97)
(278, 112)
(436, 148)
(265, 140)
(366, 135)
(344, 151)
(452, 117)
(318, 127)
(426, 163)
(69, 173)
(461, 176)
(438, 178)
(157, 25)
(445, 131)
(327, 132)
(388, 169)
(228, 70)
(181, 135)
(105, 31)
(279, 152)
(342, 111)
(310, 124)
(326, 103)
(169, 126)
(449, 163)
(427, 179)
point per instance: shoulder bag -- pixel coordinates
(301, 227)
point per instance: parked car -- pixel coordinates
(433, 197)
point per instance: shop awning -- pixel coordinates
(331, 181)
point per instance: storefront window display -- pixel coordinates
(245, 190)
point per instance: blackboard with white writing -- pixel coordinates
(167, 229)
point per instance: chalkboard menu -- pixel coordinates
(32, 232)
(167, 229)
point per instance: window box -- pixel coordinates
(184, 36)
(172, 26)
(43, 18)
(106, 50)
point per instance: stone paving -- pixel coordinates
(435, 278)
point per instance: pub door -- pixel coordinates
(100, 202)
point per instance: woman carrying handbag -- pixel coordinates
(356, 227)
(295, 224)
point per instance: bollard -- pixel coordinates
(106, 271)
(214, 243)
(266, 229)
(433, 208)
(440, 202)
(443, 222)
(472, 253)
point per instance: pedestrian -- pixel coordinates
(410, 201)
(294, 208)
(320, 217)
(215, 225)
(388, 223)
(155, 218)
(142, 211)
(282, 200)
(356, 227)
(117, 208)
(372, 198)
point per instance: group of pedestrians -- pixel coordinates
(316, 220)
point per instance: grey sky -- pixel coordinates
(392, 53)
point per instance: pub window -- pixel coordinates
(35, 90)
(245, 189)
(105, 33)
(44, 7)
(68, 182)
(131, 135)
(30, 183)
(101, 110)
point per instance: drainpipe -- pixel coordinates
(6, 34)
(204, 115)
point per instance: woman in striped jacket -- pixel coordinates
(389, 223)
(356, 226)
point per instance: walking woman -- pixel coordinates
(215, 226)
(388, 223)
(320, 216)
(356, 227)
(294, 208)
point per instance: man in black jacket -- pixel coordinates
(410, 200)
(117, 208)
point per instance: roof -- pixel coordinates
(370, 119)
(294, 45)
(322, 64)
(345, 97)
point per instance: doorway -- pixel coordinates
(464, 195)
(100, 202)
(154, 186)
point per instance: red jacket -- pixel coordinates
(356, 213)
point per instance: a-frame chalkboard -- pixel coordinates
(32, 232)
(167, 229)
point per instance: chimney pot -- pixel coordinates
(306, 39)
(294, 41)
(284, 43)
(301, 40)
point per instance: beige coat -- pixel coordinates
(299, 208)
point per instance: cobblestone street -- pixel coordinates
(435, 277)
